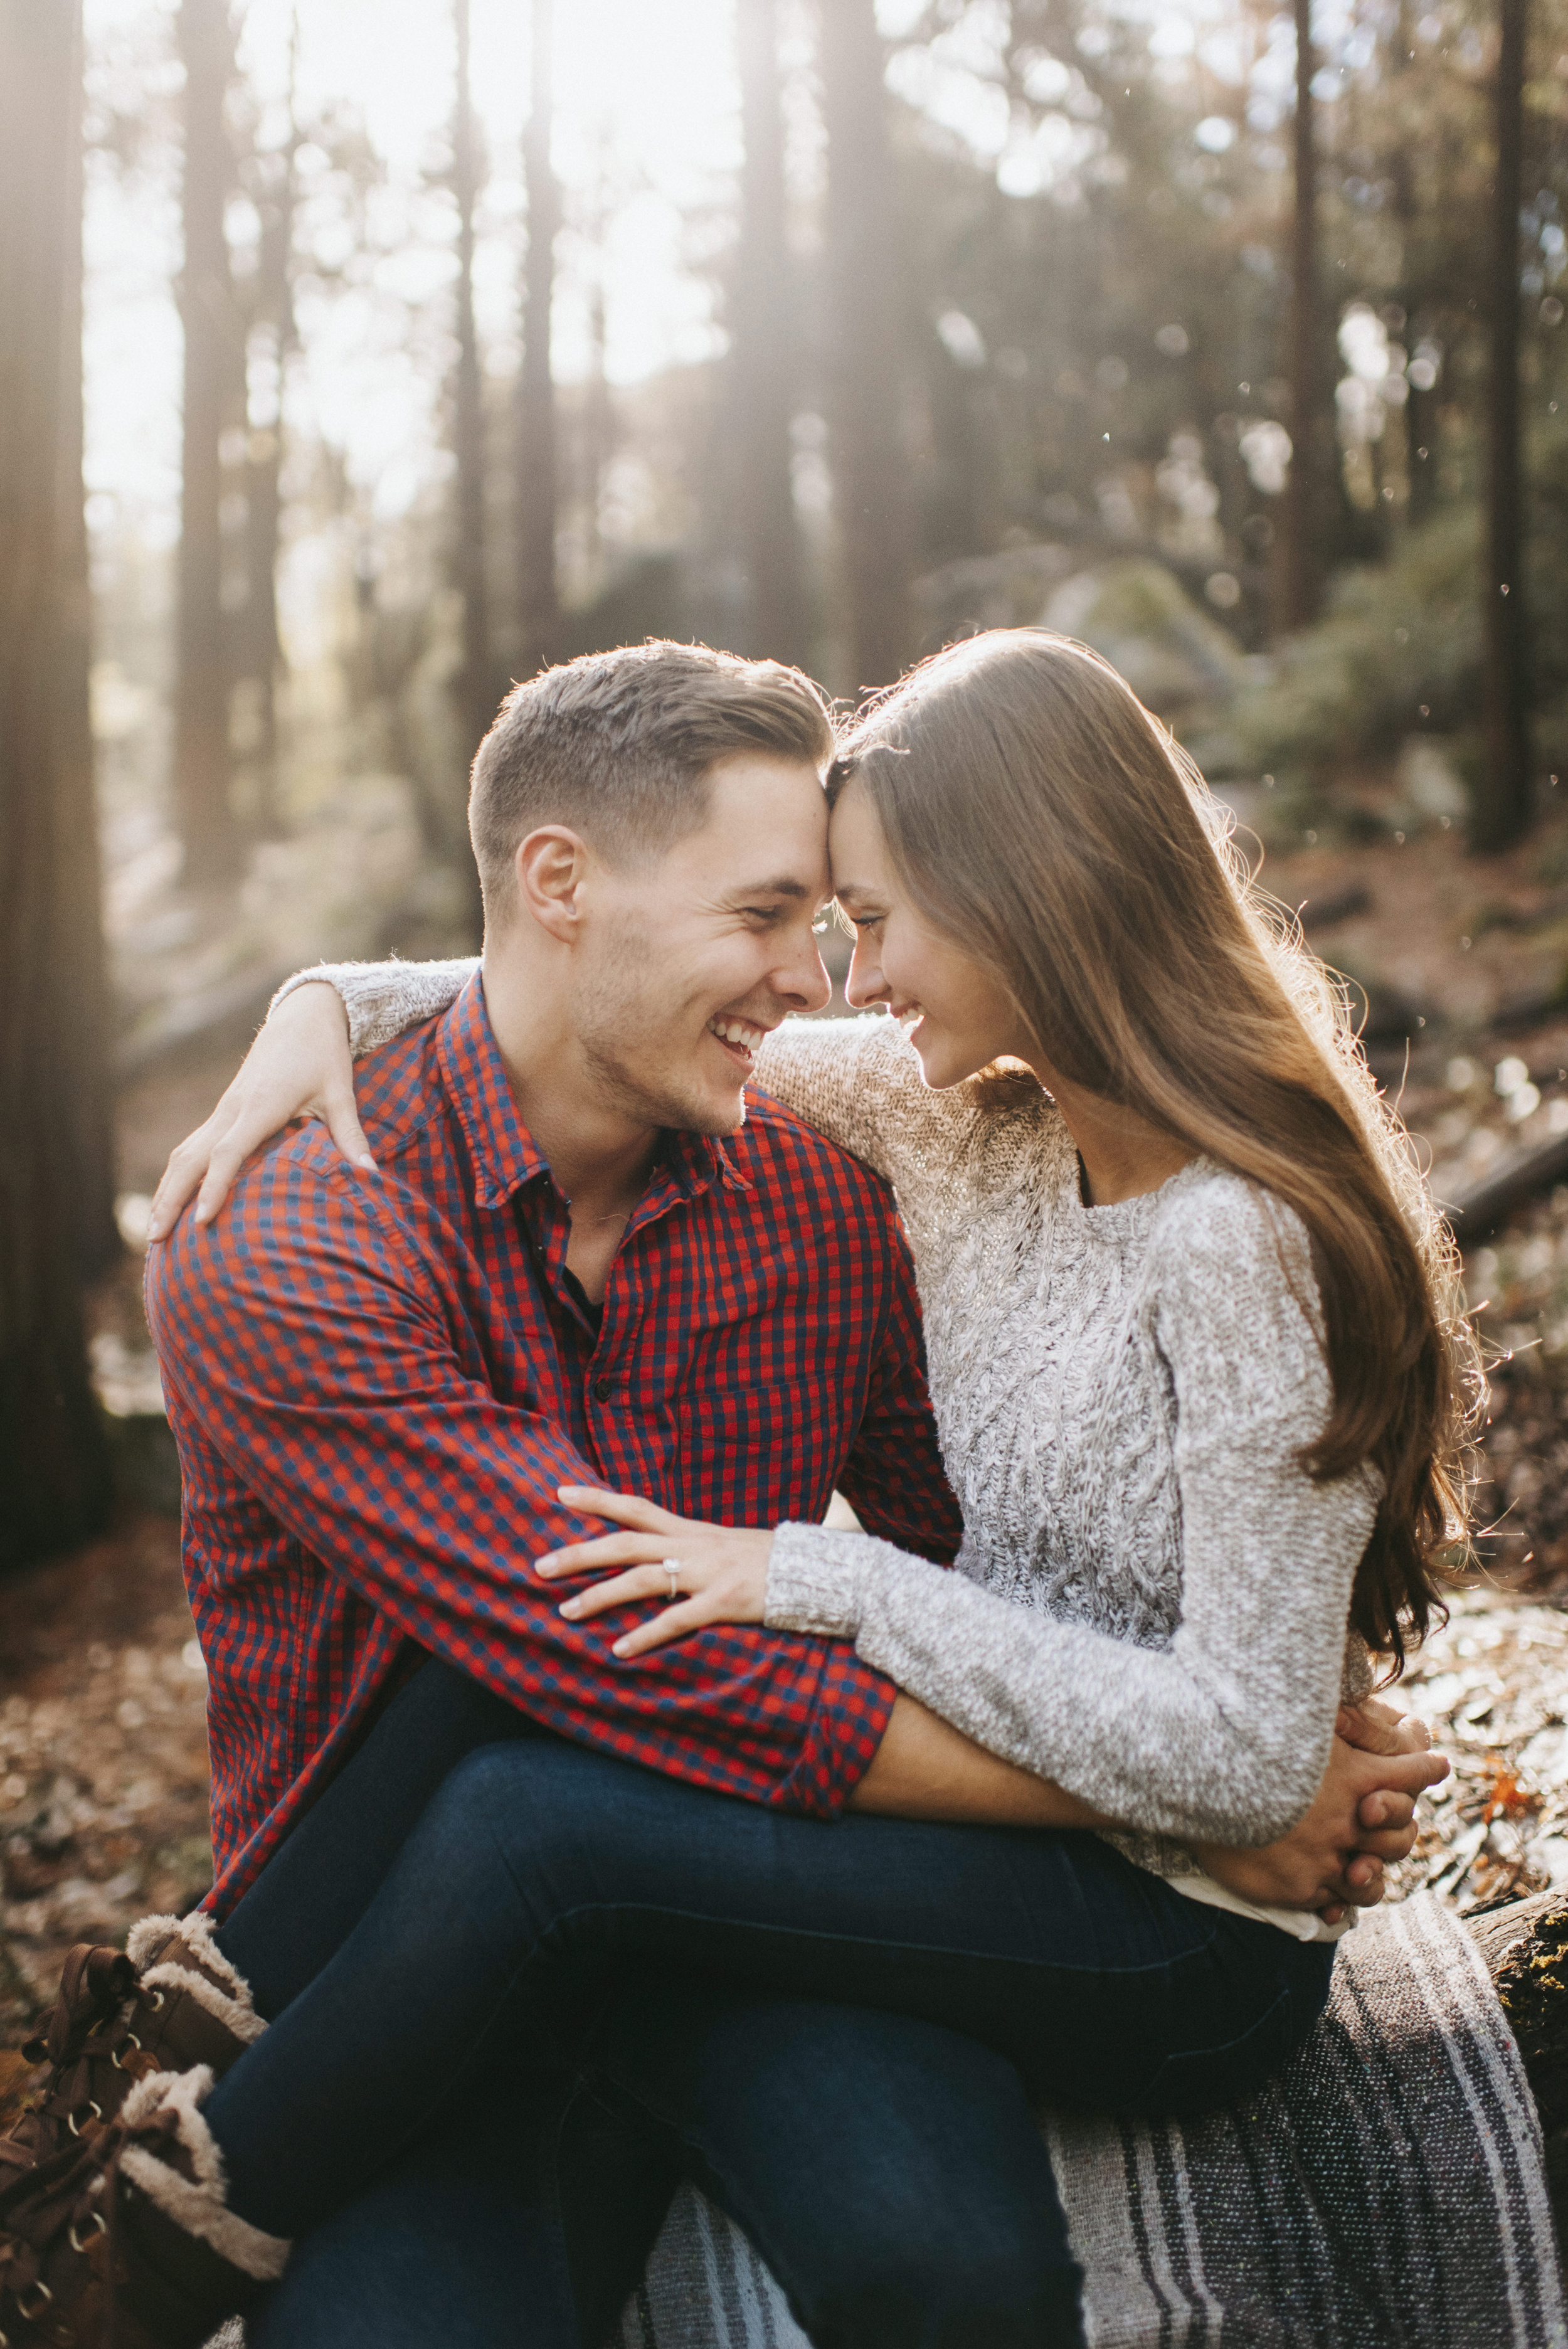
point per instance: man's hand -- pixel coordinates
(1363, 1819)
(299, 1066)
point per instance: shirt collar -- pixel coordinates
(504, 1154)
(695, 1161)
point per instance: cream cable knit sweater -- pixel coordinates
(1121, 1394)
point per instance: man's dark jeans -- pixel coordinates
(542, 1880)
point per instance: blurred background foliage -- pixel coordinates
(1049, 288)
(357, 362)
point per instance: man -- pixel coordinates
(576, 1260)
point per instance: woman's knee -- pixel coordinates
(913, 2285)
(476, 1790)
(531, 1812)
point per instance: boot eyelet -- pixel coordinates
(95, 2110)
(156, 2000)
(131, 2040)
(31, 2315)
(100, 2227)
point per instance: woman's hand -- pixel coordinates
(1376, 1728)
(1363, 1818)
(298, 1066)
(721, 1571)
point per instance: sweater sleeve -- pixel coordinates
(856, 1080)
(1225, 1735)
(382, 999)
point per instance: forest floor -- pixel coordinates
(102, 1689)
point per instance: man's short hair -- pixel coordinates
(618, 746)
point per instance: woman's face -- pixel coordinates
(957, 1018)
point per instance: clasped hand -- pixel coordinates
(1363, 1818)
(723, 1569)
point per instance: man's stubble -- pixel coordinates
(631, 1031)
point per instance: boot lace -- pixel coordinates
(87, 2027)
(65, 2204)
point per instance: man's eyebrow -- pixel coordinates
(787, 886)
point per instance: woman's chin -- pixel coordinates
(941, 1068)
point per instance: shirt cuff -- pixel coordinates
(854, 1701)
(816, 1580)
(1360, 1679)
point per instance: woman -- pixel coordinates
(1200, 1385)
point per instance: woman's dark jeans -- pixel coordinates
(538, 1875)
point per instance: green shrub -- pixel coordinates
(1399, 651)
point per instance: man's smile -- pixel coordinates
(741, 1039)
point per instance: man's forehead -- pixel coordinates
(766, 833)
(780, 795)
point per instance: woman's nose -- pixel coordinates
(865, 984)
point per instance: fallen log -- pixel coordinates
(1335, 905)
(1475, 1209)
(233, 1008)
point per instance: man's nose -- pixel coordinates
(803, 982)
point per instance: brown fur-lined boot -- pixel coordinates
(174, 1999)
(126, 2236)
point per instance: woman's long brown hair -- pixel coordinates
(1046, 822)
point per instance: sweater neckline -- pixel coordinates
(1118, 1219)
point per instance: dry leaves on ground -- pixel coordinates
(103, 1755)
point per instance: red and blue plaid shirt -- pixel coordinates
(377, 1382)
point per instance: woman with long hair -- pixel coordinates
(1202, 1386)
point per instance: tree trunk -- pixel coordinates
(214, 848)
(53, 1458)
(762, 364)
(1420, 410)
(475, 695)
(539, 611)
(84, 1021)
(598, 439)
(1502, 801)
(865, 339)
(1301, 568)
(273, 328)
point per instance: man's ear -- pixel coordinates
(550, 869)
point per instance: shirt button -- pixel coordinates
(603, 1388)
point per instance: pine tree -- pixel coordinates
(213, 367)
(53, 1098)
(765, 342)
(864, 321)
(1502, 803)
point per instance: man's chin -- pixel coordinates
(712, 1110)
(716, 1118)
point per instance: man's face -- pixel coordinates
(686, 963)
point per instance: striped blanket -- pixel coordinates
(1386, 2191)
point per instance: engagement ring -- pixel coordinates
(672, 1567)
